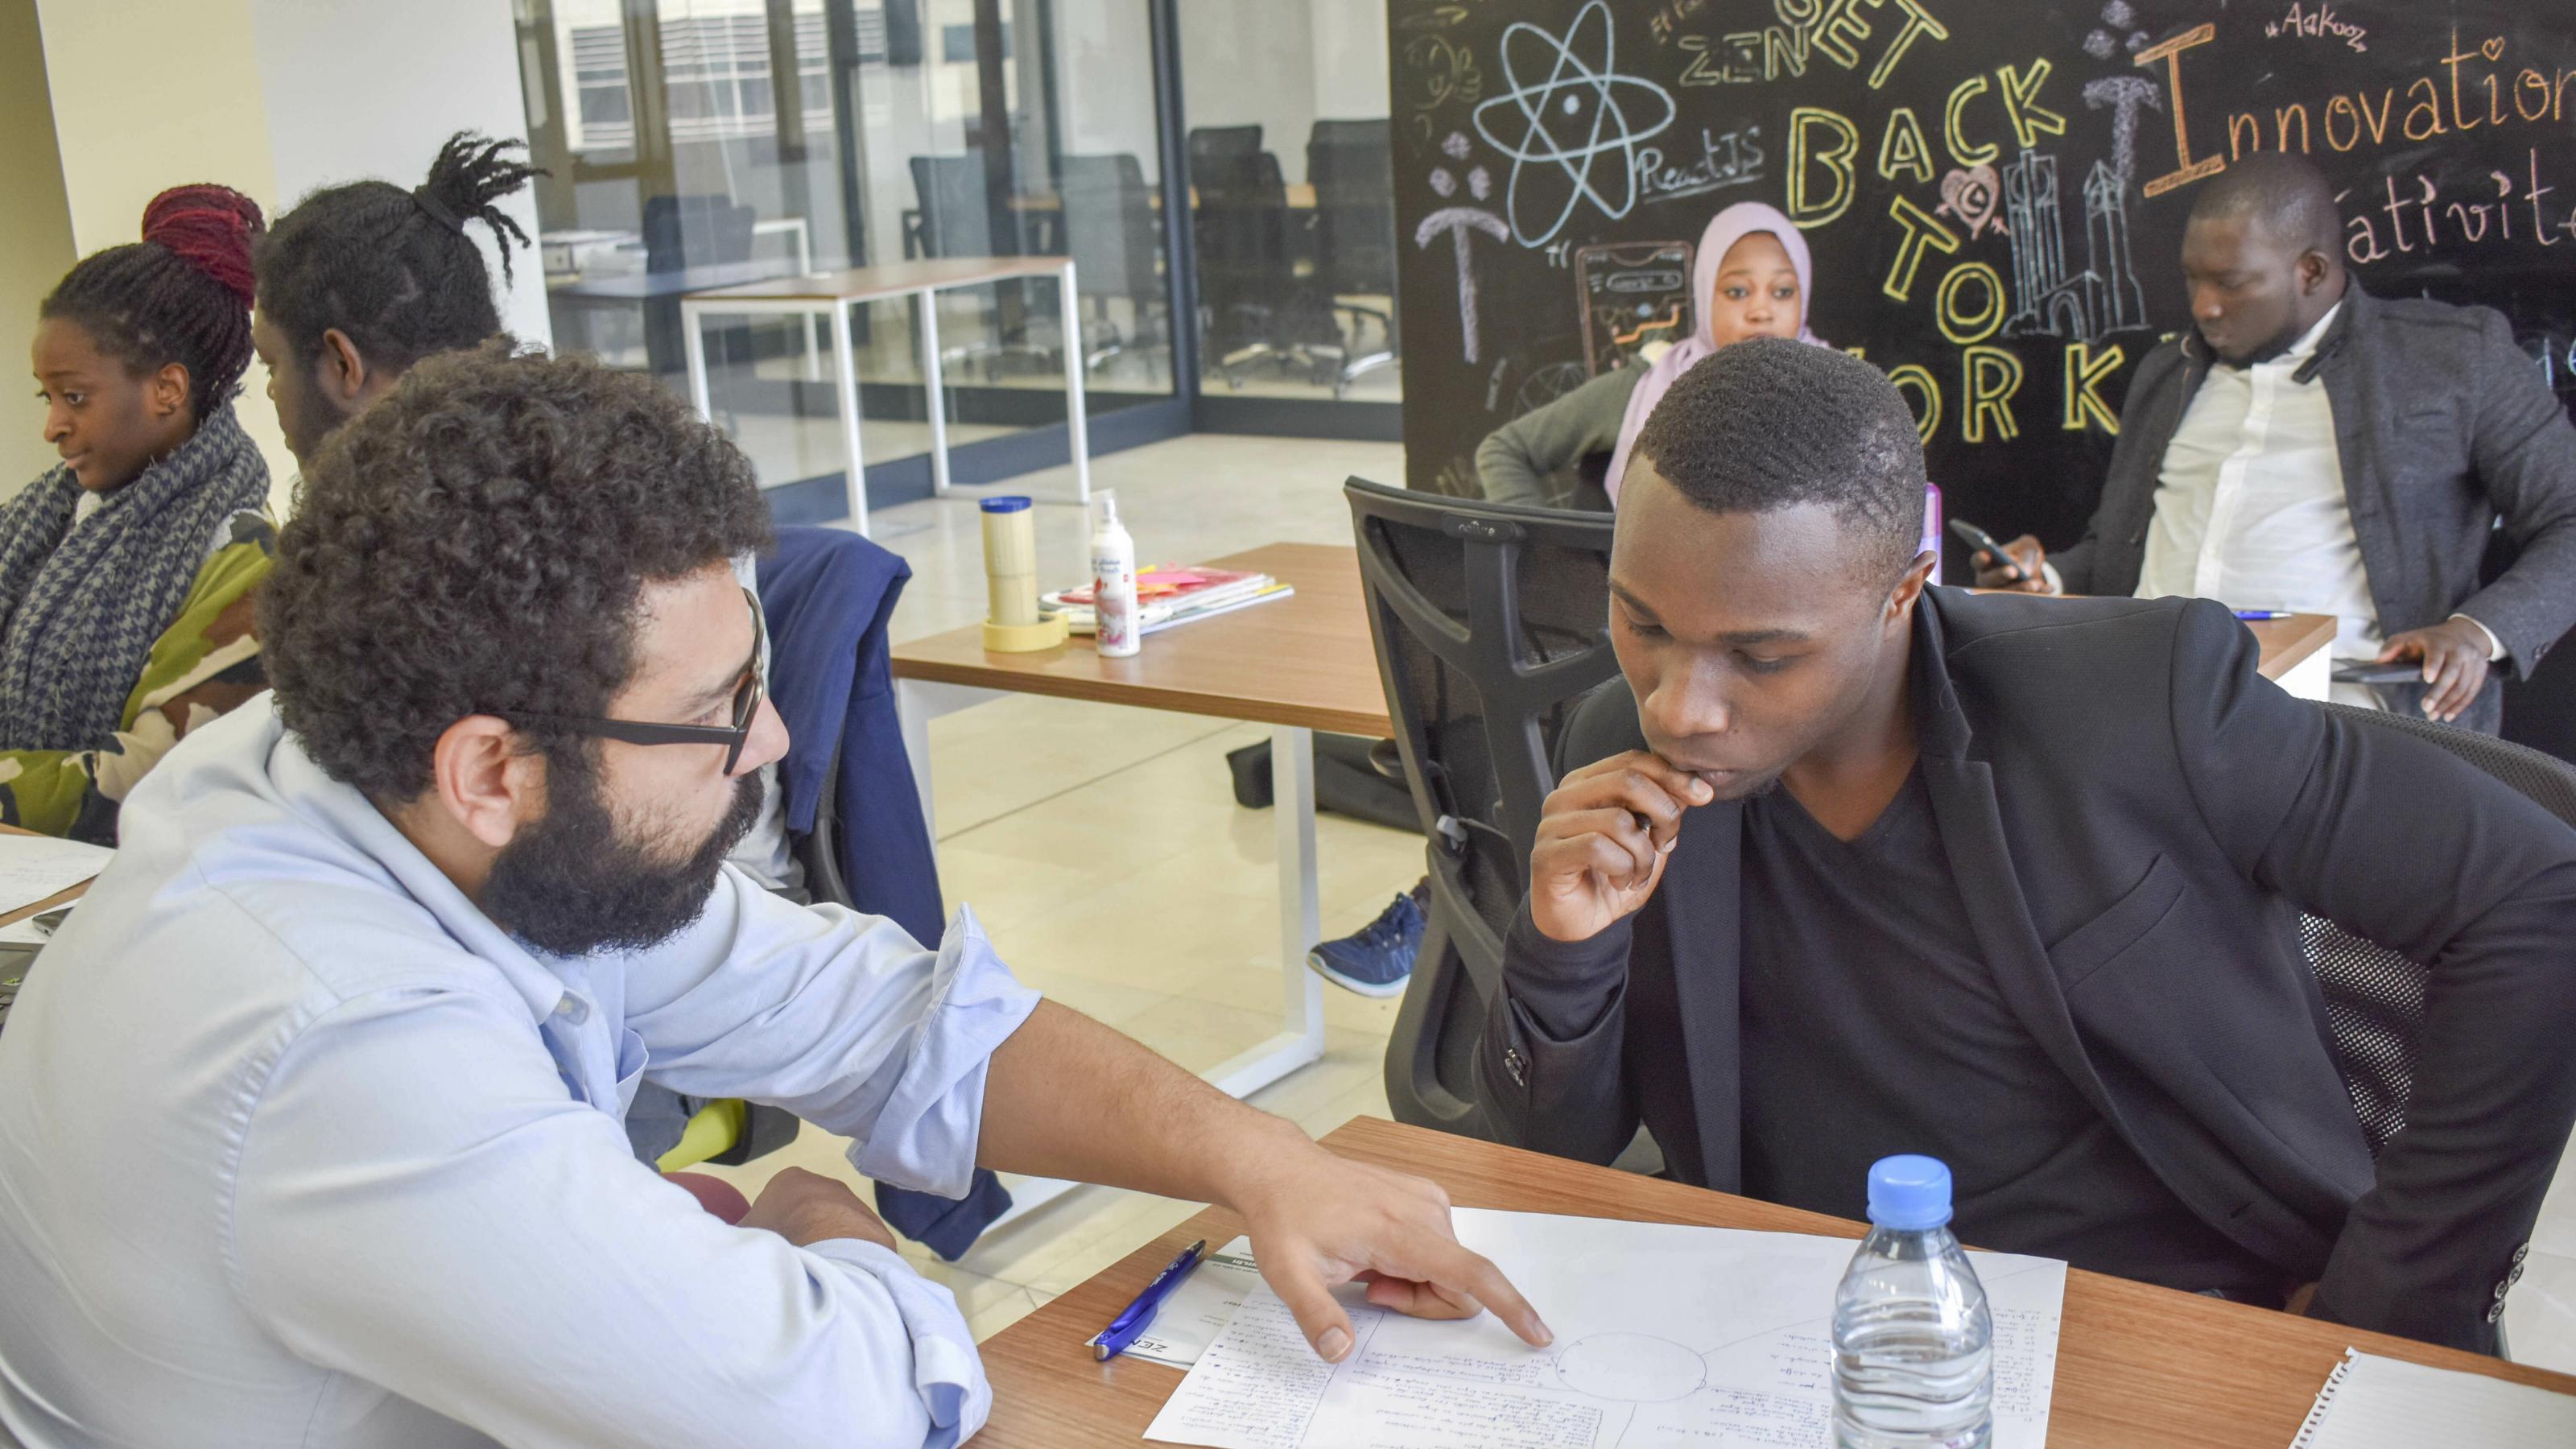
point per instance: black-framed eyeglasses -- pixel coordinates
(746, 708)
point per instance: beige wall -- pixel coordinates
(273, 98)
(35, 237)
(151, 94)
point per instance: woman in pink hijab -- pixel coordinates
(1750, 278)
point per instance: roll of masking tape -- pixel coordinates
(1012, 622)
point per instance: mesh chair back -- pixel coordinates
(2375, 996)
(1491, 621)
(1352, 167)
(956, 215)
(691, 231)
(1109, 226)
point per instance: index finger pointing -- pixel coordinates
(1454, 1268)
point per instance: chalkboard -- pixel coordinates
(1994, 191)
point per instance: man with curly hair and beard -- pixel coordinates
(310, 1121)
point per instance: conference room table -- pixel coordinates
(831, 296)
(1299, 664)
(2137, 1367)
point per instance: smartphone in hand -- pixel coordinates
(1975, 537)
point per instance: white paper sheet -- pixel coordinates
(33, 867)
(1665, 1335)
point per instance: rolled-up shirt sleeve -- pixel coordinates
(843, 1019)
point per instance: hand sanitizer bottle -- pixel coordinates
(1113, 582)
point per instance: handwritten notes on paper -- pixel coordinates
(1706, 1337)
(33, 867)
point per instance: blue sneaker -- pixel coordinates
(1377, 959)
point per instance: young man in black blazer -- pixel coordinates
(1858, 867)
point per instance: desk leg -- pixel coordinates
(804, 239)
(694, 344)
(934, 393)
(916, 703)
(846, 361)
(1077, 424)
(1301, 1036)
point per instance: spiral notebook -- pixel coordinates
(2371, 1402)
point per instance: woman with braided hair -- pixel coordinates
(126, 573)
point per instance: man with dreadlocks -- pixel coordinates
(360, 281)
(126, 573)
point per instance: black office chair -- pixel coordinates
(1352, 167)
(955, 219)
(1250, 296)
(1108, 228)
(1491, 622)
(2375, 996)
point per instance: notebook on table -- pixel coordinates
(2370, 1402)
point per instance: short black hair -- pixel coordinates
(1772, 423)
(2284, 192)
(394, 269)
(477, 543)
(182, 294)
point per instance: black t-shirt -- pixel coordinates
(1872, 1025)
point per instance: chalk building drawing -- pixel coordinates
(2052, 301)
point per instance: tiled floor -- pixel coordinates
(1171, 940)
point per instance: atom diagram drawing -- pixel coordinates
(1570, 122)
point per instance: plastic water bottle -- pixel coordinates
(1914, 1356)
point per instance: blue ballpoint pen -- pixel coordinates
(1123, 1330)
(2259, 615)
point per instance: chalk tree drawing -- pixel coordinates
(1460, 222)
(1571, 124)
(2053, 301)
(2104, 43)
(2124, 94)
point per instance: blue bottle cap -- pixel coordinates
(1011, 503)
(1909, 1193)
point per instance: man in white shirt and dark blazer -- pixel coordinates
(2314, 448)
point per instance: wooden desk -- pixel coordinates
(1297, 664)
(831, 295)
(2295, 652)
(2137, 1367)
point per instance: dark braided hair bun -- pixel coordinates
(182, 294)
(210, 228)
(470, 175)
(393, 270)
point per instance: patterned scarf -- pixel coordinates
(81, 604)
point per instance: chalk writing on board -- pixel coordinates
(2319, 22)
(1725, 159)
(1571, 124)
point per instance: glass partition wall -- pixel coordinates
(1293, 212)
(693, 144)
